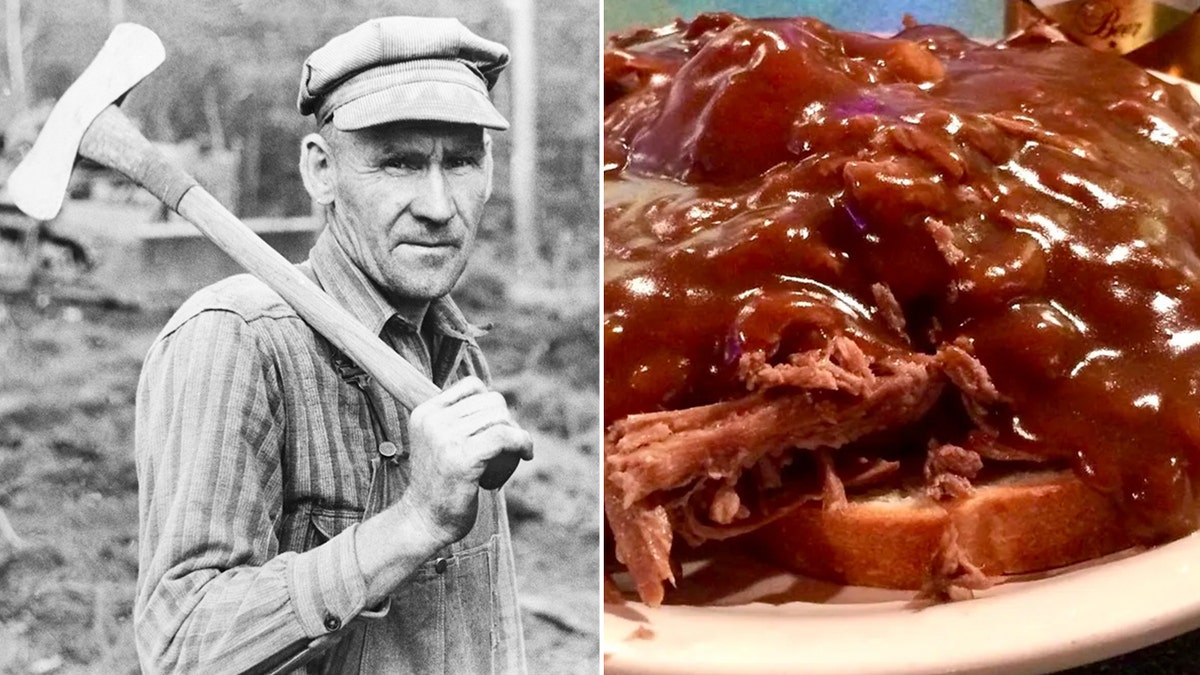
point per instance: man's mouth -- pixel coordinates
(430, 244)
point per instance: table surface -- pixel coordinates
(1178, 656)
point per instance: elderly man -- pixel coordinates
(292, 515)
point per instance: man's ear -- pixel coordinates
(316, 168)
(487, 164)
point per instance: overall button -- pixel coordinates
(440, 565)
(387, 449)
(332, 623)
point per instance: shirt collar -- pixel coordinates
(347, 284)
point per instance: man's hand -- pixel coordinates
(452, 437)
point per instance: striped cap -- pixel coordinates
(403, 68)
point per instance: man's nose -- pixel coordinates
(433, 203)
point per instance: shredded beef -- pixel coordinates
(726, 506)
(951, 575)
(769, 470)
(839, 366)
(833, 492)
(1026, 130)
(943, 238)
(890, 310)
(949, 470)
(971, 379)
(953, 459)
(967, 373)
(948, 486)
(766, 499)
(867, 471)
(657, 453)
(690, 518)
(935, 148)
(650, 452)
(643, 543)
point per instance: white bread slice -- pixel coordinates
(1024, 522)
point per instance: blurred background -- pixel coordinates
(82, 296)
(975, 17)
(1156, 34)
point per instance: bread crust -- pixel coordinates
(1026, 523)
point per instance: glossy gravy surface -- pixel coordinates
(1037, 199)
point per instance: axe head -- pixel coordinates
(39, 183)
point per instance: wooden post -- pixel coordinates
(251, 167)
(116, 12)
(212, 115)
(523, 133)
(16, 57)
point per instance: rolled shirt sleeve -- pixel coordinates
(215, 593)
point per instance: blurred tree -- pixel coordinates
(233, 66)
(16, 57)
(568, 151)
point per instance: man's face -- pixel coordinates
(408, 201)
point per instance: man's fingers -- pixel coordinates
(467, 416)
(464, 388)
(486, 402)
(503, 438)
(464, 427)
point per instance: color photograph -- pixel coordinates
(901, 336)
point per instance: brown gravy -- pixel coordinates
(1036, 198)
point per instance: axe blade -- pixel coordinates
(39, 183)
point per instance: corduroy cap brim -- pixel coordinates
(403, 69)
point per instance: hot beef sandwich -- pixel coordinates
(909, 311)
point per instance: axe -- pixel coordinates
(86, 121)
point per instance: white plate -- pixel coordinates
(765, 622)
(1029, 626)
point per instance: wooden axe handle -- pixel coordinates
(113, 141)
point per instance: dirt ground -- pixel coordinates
(68, 487)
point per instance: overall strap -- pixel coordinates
(386, 459)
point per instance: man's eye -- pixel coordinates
(405, 163)
(466, 162)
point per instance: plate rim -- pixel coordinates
(995, 633)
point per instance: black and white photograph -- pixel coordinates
(901, 337)
(299, 309)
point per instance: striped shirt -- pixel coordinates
(253, 459)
